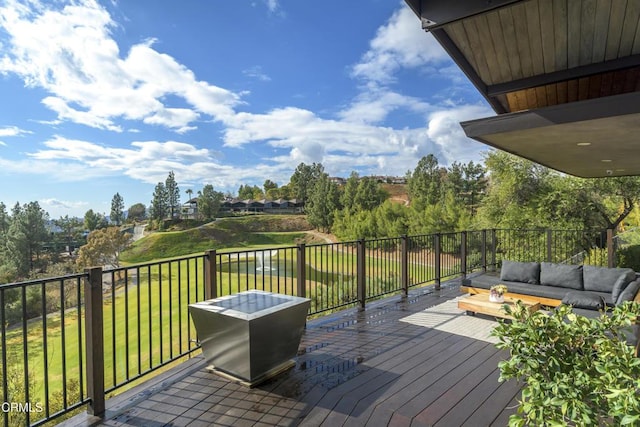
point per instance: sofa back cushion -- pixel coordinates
(561, 275)
(629, 292)
(525, 272)
(603, 279)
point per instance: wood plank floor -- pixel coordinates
(354, 368)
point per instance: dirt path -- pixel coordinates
(329, 238)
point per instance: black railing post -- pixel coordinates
(549, 245)
(94, 340)
(463, 254)
(494, 249)
(483, 254)
(611, 254)
(361, 272)
(210, 275)
(438, 259)
(405, 265)
(302, 270)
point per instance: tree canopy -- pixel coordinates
(209, 202)
(103, 248)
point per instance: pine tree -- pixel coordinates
(117, 209)
(323, 202)
(160, 202)
(173, 195)
(26, 236)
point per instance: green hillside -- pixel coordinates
(226, 233)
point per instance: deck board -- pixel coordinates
(353, 368)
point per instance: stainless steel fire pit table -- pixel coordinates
(250, 336)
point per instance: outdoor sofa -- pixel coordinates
(586, 288)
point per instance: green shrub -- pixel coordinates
(629, 257)
(575, 370)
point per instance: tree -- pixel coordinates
(173, 195)
(424, 185)
(117, 209)
(355, 225)
(446, 216)
(4, 231)
(623, 191)
(283, 192)
(304, 178)
(516, 189)
(94, 220)
(369, 194)
(348, 197)
(467, 182)
(160, 202)
(103, 248)
(71, 231)
(249, 192)
(391, 219)
(26, 236)
(137, 212)
(189, 193)
(522, 194)
(4, 221)
(269, 186)
(322, 202)
(209, 202)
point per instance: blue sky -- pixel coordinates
(99, 97)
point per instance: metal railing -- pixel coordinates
(70, 341)
(43, 358)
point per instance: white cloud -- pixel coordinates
(12, 131)
(401, 43)
(70, 160)
(70, 53)
(64, 205)
(257, 73)
(375, 106)
(343, 146)
(445, 131)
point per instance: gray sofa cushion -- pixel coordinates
(584, 299)
(525, 272)
(603, 279)
(629, 292)
(620, 285)
(561, 275)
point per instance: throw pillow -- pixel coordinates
(561, 275)
(525, 272)
(603, 279)
(584, 299)
(629, 292)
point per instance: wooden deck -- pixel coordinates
(378, 367)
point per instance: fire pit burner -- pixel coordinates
(251, 336)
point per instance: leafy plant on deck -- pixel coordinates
(576, 370)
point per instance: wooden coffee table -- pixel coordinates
(480, 303)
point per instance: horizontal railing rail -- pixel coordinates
(69, 341)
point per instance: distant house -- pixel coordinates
(190, 208)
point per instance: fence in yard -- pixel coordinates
(73, 340)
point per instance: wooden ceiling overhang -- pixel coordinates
(530, 58)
